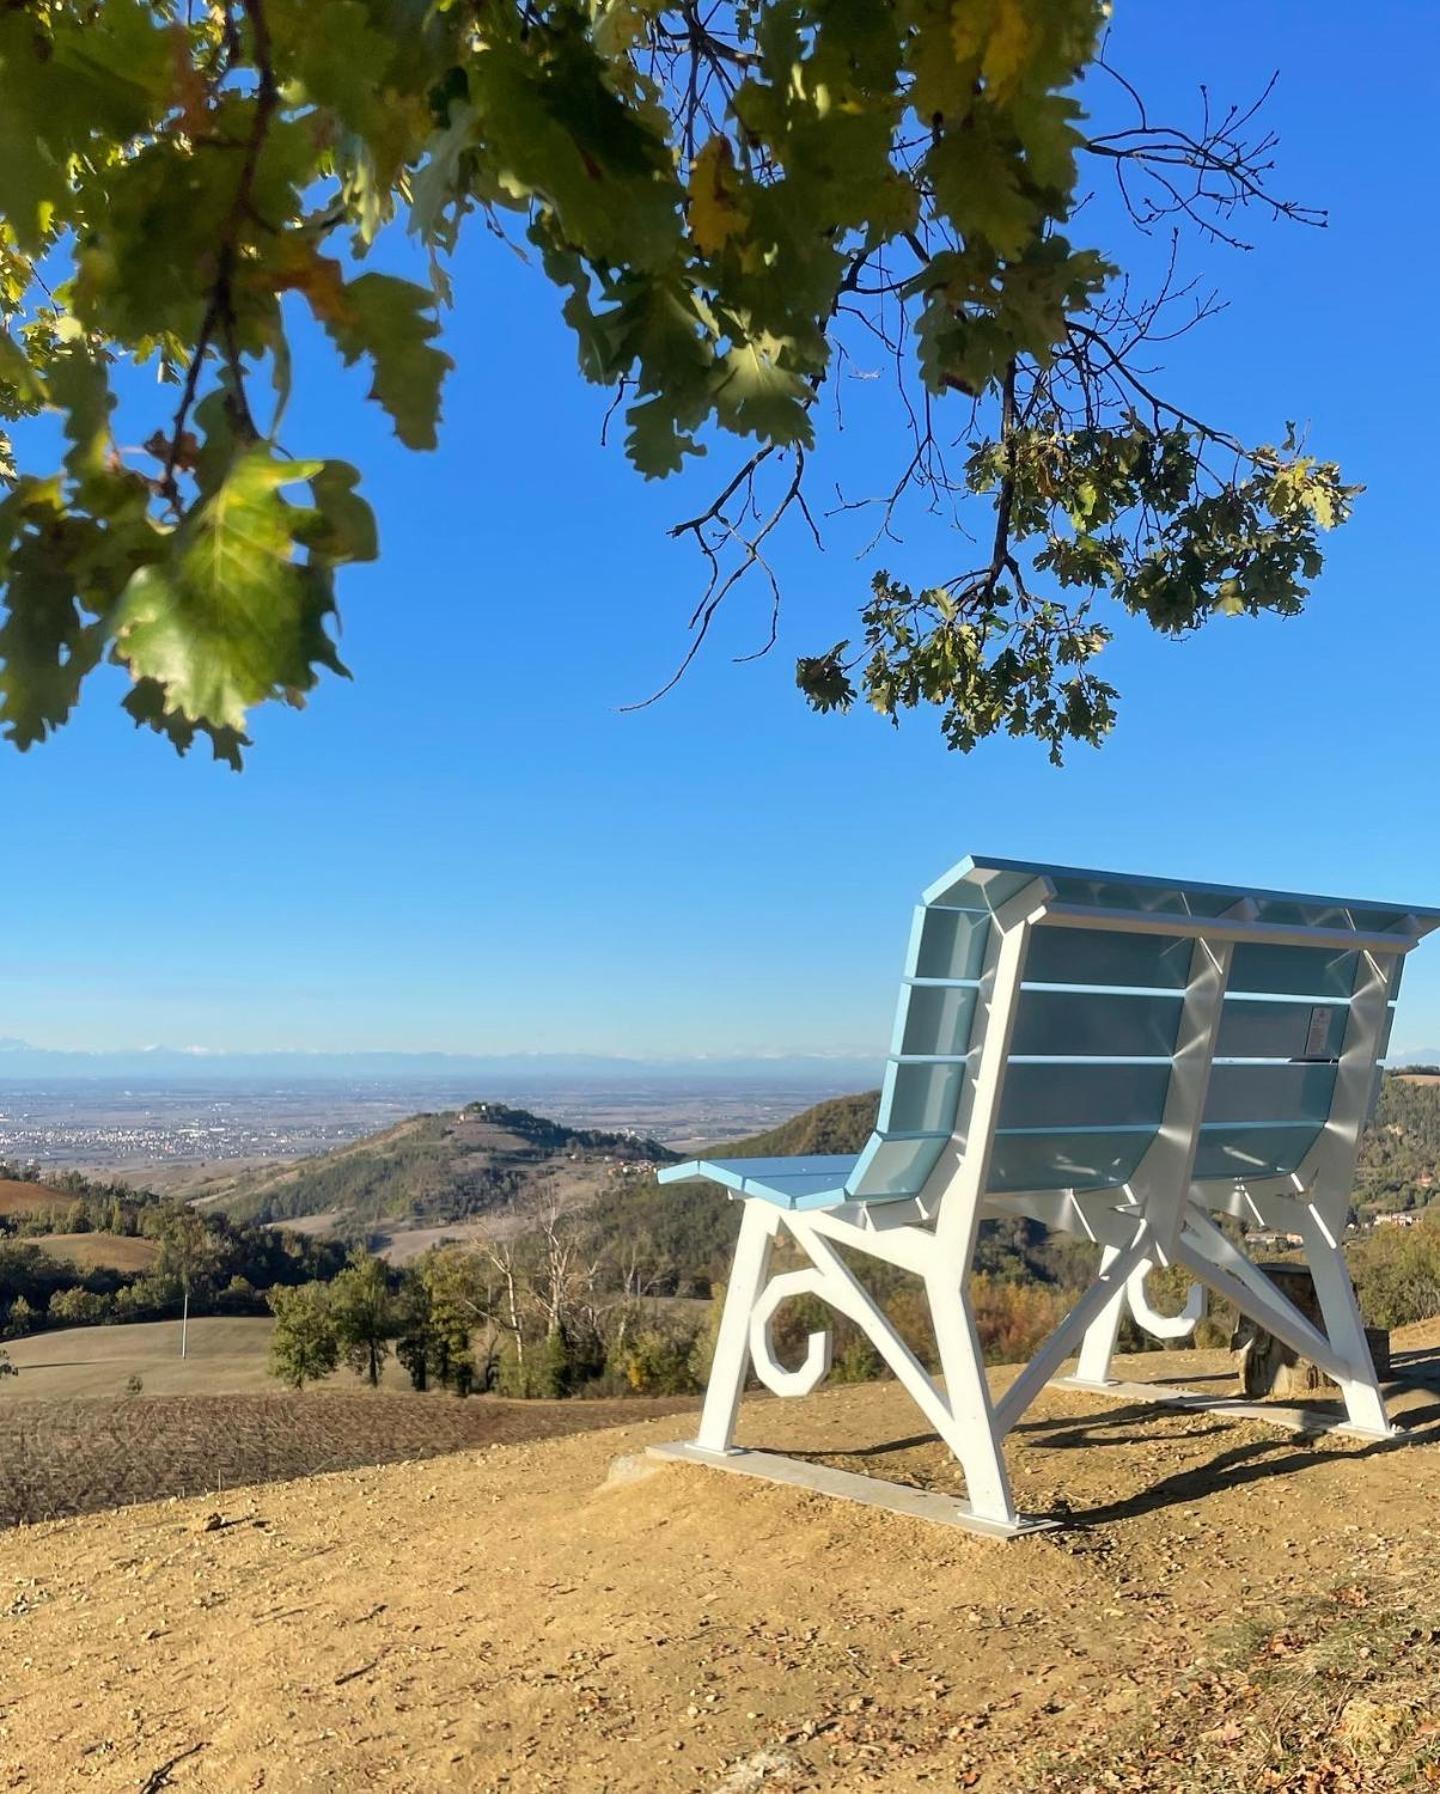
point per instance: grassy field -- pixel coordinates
(99, 1251)
(224, 1356)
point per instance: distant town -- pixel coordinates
(126, 1127)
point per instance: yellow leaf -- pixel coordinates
(971, 27)
(1322, 506)
(716, 214)
(1009, 48)
(621, 25)
(999, 35)
(971, 22)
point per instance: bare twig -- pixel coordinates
(159, 1778)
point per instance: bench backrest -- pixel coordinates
(1099, 1012)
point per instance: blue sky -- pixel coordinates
(471, 848)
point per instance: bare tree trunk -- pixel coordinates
(513, 1305)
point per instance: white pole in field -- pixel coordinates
(184, 1319)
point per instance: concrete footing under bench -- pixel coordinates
(823, 1479)
(1307, 1421)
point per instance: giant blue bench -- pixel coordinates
(1127, 1059)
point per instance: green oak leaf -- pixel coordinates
(386, 319)
(228, 618)
(656, 442)
(344, 529)
(19, 375)
(63, 82)
(305, 35)
(756, 395)
(976, 181)
(145, 703)
(46, 645)
(556, 131)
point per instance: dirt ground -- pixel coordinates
(518, 1618)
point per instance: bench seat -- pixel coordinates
(811, 1182)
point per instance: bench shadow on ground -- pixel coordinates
(1248, 1461)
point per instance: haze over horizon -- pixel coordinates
(23, 1061)
(20, 1058)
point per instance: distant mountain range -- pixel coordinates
(21, 1061)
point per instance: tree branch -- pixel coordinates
(219, 314)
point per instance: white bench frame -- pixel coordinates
(1162, 1215)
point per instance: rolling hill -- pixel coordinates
(842, 1124)
(19, 1199)
(439, 1169)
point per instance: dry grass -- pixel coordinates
(1339, 1694)
(99, 1251)
(225, 1355)
(18, 1198)
(73, 1438)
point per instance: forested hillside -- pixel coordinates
(678, 1237)
(80, 1250)
(1400, 1156)
(686, 1231)
(841, 1125)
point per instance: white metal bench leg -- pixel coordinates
(972, 1433)
(1098, 1347)
(1344, 1327)
(1342, 1351)
(748, 1274)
